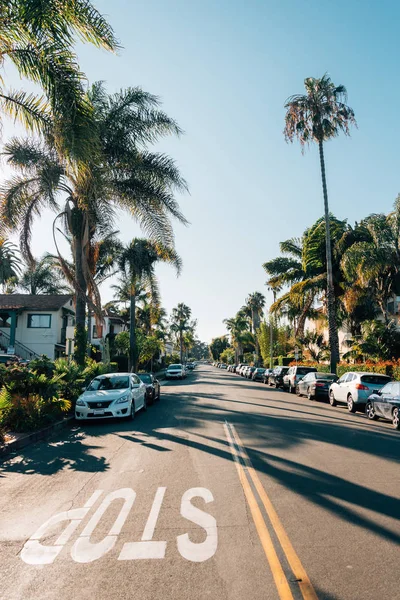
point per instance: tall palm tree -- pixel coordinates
(238, 327)
(38, 38)
(124, 175)
(256, 303)
(319, 115)
(9, 262)
(137, 261)
(42, 277)
(180, 323)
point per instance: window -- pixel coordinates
(307, 377)
(97, 332)
(39, 321)
(387, 389)
(377, 379)
(305, 370)
(116, 382)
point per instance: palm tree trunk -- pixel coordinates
(80, 305)
(299, 331)
(132, 363)
(330, 292)
(181, 345)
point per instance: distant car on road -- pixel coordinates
(354, 389)
(277, 375)
(385, 404)
(293, 376)
(315, 385)
(152, 386)
(175, 372)
(112, 395)
(190, 366)
(249, 372)
(224, 366)
(258, 374)
(243, 370)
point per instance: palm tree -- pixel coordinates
(124, 175)
(38, 38)
(42, 277)
(9, 262)
(317, 116)
(137, 261)
(180, 323)
(238, 327)
(256, 303)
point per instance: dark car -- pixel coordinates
(258, 374)
(190, 366)
(315, 385)
(152, 387)
(276, 378)
(385, 404)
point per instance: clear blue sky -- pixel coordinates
(223, 70)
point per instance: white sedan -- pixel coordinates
(175, 372)
(112, 395)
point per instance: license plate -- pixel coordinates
(98, 412)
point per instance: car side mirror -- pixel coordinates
(83, 389)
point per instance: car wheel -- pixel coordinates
(350, 404)
(133, 412)
(144, 404)
(370, 411)
(309, 395)
(291, 389)
(332, 400)
(396, 418)
(297, 391)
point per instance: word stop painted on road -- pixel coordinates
(85, 551)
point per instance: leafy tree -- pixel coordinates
(217, 346)
(38, 38)
(318, 116)
(181, 324)
(378, 341)
(137, 261)
(314, 343)
(238, 328)
(122, 175)
(227, 356)
(256, 303)
(42, 277)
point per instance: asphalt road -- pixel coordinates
(224, 489)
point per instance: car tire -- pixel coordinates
(309, 395)
(298, 391)
(350, 404)
(132, 415)
(370, 411)
(396, 418)
(332, 400)
(144, 404)
(291, 389)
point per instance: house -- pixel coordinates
(31, 325)
(112, 325)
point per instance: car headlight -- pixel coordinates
(123, 398)
(80, 402)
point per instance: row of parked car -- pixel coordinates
(375, 394)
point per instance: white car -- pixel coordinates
(354, 389)
(175, 372)
(112, 395)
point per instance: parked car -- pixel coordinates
(224, 366)
(277, 375)
(244, 370)
(315, 385)
(293, 376)
(112, 395)
(175, 372)
(190, 366)
(385, 404)
(152, 387)
(258, 374)
(267, 374)
(354, 389)
(249, 372)
(239, 367)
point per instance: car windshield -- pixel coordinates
(175, 367)
(145, 377)
(375, 379)
(109, 383)
(260, 370)
(329, 376)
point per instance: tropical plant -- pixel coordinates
(9, 262)
(256, 303)
(378, 340)
(38, 38)
(318, 116)
(218, 346)
(180, 324)
(238, 328)
(137, 261)
(227, 356)
(42, 277)
(314, 344)
(122, 175)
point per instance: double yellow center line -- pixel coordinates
(246, 474)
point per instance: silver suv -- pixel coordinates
(293, 376)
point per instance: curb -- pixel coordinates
(35, 436)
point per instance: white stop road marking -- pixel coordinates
(84, 551)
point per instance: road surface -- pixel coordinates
(224, 489)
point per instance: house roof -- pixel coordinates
(33, 302)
